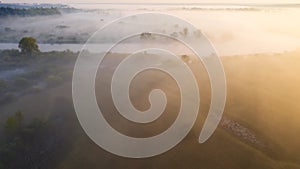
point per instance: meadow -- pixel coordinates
(258, 47)
(259, 101)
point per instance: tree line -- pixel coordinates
(8, 11)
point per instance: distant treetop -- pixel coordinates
(28, 45)
(8, 11)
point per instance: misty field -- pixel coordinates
(258, 47)
(261, 103)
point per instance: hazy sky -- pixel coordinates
(152, 1)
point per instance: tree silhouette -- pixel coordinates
(28, 45)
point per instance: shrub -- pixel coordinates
(53, 80)
(23, 139)
(33, 74)
(36, 89)
(10, 52)
(3, 85)
(7, 97)
(21, 82)
(67, 75)
(13, 123)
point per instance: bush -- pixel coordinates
(10, 52)
(21, 82)
(23, 139)
(36, 74)
(7, 97)
(13, 123)
(3, 85)
(67, 75)
(36, 89)
(54, 80)
(185, 58)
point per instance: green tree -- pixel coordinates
(28, 45)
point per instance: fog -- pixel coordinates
(233, 30)
(261, 118)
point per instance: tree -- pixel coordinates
(13, 123)
(28, 45)
(24, 140)
(185, 31)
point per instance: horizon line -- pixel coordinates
(157, 3)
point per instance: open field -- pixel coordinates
(261, 102)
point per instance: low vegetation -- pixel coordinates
(31, 143)
(30, 70)
(16, 148)
(261, 133)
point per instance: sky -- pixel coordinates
(149, 1)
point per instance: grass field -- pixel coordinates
(262, 96)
